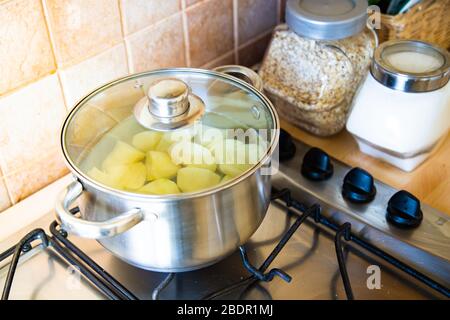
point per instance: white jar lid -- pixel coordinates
(411, 66)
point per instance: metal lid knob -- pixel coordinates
(169, 98)
(169, 105)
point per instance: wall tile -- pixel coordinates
(210, 27)
(253, 53)
(32, 178)
(161, 45)
(222, 61)
(80, 79)
(82, 28)
(25, 51)
(5, 201)
(191, 2)
(255, 17)
(30, 121)
(137, 14)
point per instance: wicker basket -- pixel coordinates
(429, 21)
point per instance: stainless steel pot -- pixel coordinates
(176, 232)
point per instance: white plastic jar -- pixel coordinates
(402, 111)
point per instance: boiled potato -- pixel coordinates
(128, 176)
(160, 165)
(169, 138)
(192, 155)
(229, 151)
(233, 170)
(206, 136)
(147, 140)
(102, 177)
(232, 156)
(121, 154)
(164, 143)
(226, 178)
(160, 186)
(193, 179)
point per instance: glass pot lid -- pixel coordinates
(169, 131)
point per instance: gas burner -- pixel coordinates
(113, 289)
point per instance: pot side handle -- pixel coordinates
(91, 229)
(243, 73)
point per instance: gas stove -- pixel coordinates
(331, 232)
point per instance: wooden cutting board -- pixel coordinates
(430, 182)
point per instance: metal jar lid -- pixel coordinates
(411, 66)
(326, 19)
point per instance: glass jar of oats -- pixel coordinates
(315, 62)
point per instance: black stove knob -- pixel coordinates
(358, 186)
(404, 210)
(287, 146)
(317, 165)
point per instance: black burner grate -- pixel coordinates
(113, 289)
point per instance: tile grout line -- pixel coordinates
(236, 30)
(208, 64)
(122, 22)
(49, 33)
(197, 4)
(5, 182)
(187, 45)
(53, 48)
(122, 30)
(60, 82)
(255, 39)
(279, 11)
(154, 24)
(129, 56)
(26, 84)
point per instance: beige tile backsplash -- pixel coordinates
(25, 50)
(210, 30)
(138, 14)
(30, 120)
(53, 52)
(5, 201)
(256, 17)
(157, 46)
(82, 28)
(85, 76)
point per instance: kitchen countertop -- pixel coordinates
(430, 182)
